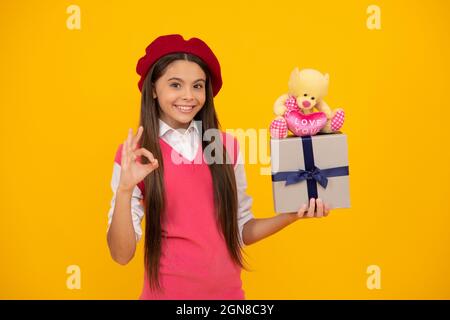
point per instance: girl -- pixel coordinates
(197, 212)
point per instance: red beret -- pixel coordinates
(175, 43)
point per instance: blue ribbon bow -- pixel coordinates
(301, 175)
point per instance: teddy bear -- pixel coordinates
(295, 110)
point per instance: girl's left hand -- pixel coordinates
(322, 209)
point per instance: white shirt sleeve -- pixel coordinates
(137, 209)
(244, 200)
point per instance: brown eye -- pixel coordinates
(312, 98)
(305, 95)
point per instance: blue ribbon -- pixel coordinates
(311, 174)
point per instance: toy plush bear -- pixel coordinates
(295, 110)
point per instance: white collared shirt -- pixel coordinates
(187, 144)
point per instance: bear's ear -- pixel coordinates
(293, 80)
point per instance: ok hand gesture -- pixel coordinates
(132, 172)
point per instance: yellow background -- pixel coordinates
(68, 96)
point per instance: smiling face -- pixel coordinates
(181, 93)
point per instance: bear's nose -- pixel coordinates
(306, 103)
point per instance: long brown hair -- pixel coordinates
(222, 172)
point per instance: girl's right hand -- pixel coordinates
(133, 172)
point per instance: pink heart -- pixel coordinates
(305, 124)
